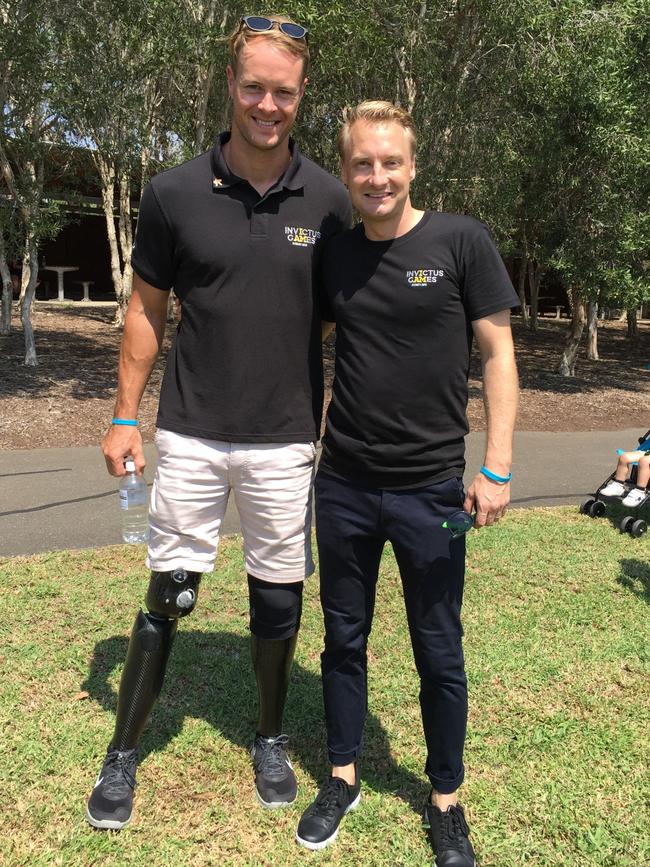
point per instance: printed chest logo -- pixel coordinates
(299, 237)
(423, 276)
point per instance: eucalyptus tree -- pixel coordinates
(28, 127)
(199, 81)
(116, 69)
(604, 182)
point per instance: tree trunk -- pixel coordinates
(632, 324)
(402, 56)
(107, 176)
(523, 271)
(592, 329)
(521, 290)
(28, 288)
(204, 79)
(126, 244)
(568, 362)
(534, 278)
(7, 293)
(121, 278)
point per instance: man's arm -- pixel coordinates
(500, 394)
(144, 330)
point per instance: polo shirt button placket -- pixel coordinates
(259, 224)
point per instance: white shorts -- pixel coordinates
(272, 484)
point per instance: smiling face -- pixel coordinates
(266, 91)
(378, 167)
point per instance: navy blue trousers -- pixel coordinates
(352, 526)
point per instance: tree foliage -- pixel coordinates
(28, 129)
(531, 116)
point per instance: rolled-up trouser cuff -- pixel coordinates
(339, 760)
(445, 787)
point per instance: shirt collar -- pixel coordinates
(222, 177)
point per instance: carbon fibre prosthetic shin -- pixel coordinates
(272, 662)
(171, 595)
(274, 624)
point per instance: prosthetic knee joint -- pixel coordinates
(172, 594)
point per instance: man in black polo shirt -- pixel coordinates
(407, 290)
(234, 232)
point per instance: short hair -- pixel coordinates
(242, 35)
(375, 111)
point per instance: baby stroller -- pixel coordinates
(596, 505)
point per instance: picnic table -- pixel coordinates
(60, 271)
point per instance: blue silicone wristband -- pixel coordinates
(131, 422)
(502, 480)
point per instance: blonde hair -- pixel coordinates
(375, 111)
(242, 35)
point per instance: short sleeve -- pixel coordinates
(487, 288)
(153, 249)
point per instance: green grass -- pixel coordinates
(556, 621)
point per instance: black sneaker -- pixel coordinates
(320, 822)
(111, 803)
(448, 833)
(275, 781)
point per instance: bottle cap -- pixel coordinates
(129, 465)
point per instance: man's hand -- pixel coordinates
(488, 499)
(119, 442)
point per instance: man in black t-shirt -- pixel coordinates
(235, 232)
(407, 291)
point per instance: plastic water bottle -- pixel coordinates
(134, 505)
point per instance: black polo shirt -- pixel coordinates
(246, 362)
(403, 311)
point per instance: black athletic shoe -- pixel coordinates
(111, 803)
(320, 822)
(448, 833)
(275, 781)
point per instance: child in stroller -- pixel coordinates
(629, 485)
(630, 481)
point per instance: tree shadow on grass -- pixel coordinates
(85, 362)
(82, 358)
(622, 363)
(635, 576)
(209, 677)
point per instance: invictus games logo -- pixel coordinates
(423, 276)
(299, 237)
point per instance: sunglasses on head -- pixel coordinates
(458, 524)
(261, 24)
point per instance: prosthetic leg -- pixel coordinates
(275, 620)
(171, 595)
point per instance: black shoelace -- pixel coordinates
(272, 759)
(118, 771)
(454, 827)
(330, 797)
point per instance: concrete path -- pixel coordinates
(52, 499)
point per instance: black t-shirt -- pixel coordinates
(246, 362)
(403, 311)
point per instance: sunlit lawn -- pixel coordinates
(557, 649)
